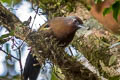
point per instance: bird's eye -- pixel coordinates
(75, 21)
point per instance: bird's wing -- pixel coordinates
(31, 70)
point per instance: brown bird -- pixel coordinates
(63, 28)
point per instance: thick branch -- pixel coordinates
(11, 22)
(47, 47)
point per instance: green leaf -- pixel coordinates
(15, 2)
(116, 10)
(114, 78)
(112, 59)
(2, 41)
(7, 35)
(97, 1)
(69, 7)
(11, 33)
(4, 36)
(8, 57)
(57, 74)
(107, 10)
(54, 76)
(11, 2)
(7, 48)
(6, 1)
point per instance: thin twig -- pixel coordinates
(9, 55)
(31, 25)
(20, 63)
(19, 52)
(34, 17)
(70, 50)
(42, 18)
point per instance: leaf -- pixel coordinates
(112, 59)
(69, 7)
(115, 7)
(8, 57)
(11, 2)
(6, 1)
(97, 1)
(2, 41)
(7, 35)
(15, 2)
(11, 33)
(107, 10)
(57, 74)
(4, 36)
(114, 78)
(116, 10)
(53, 77)
(7, 48)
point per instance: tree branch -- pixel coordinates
(12, 23)
(43, 49)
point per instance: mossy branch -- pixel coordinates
(44, 47)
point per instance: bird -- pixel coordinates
(63, 28)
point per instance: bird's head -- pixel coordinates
(64, 26)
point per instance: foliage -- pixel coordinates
(115, 7)
(115, 78)
(112, 59)
(7, 35)
(54, 77)
(95, 47)
(11, 2)
(57, 73)
(4, 37)
(98, 1)
(53, 8)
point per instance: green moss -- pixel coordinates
(95, 49)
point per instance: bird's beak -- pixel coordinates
(81, 26)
